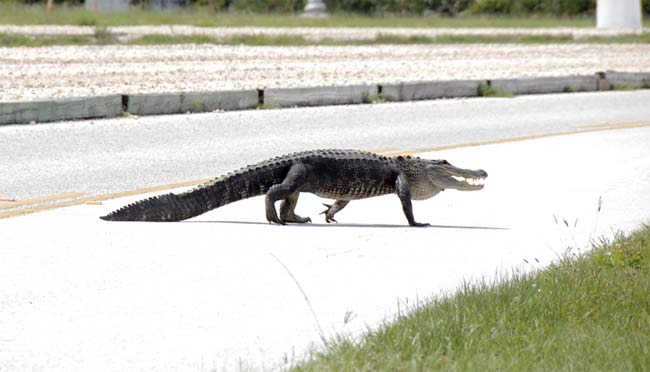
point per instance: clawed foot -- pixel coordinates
(329, 218)
(272, 217)
(296, 219)
(418, 224)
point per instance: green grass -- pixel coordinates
(628, 87)
(585, 313)
(622, 39)
(16, 40)
(63, 15)
(490, 91)
(103, 36)
(276, 40)
(510, 39)
(373, 98)
(266, 106)
(178, 39)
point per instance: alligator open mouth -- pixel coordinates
(446, 176)
(471, 182)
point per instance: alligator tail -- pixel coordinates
(245, 183)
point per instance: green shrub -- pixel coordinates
(555, 7)
(569, 7)
(454, 7)
(254, 6)
(374, 7)
(448, 7)
(491, 6)
(262, 6)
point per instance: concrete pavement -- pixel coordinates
(227, 291)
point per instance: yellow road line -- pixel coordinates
(145, 190)
(40, 199)
(40, 208)
(606, 126)
(98, 198)
(578, 130)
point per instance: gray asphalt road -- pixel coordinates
(219, 292)
(95, 157)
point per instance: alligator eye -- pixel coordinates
(445, 162)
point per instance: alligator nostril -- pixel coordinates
(484, 173)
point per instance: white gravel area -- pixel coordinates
(312, 33)
(68, 71)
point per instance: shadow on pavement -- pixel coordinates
(354, 225)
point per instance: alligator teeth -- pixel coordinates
(469, 180)
(475, 181)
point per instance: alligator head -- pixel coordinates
(446, 176)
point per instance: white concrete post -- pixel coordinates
(315, 8)
(619, 14)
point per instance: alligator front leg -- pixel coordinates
(333, 209)
(287, 210)
(403, 190)
(291, 183)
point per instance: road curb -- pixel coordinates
(153, 103)
(60, 109)
(318, 96)
(415, 91)
(222, 100)
(545, 85)
(628, 79)
(175, 103)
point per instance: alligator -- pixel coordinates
(342, 175)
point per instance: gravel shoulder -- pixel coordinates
(71, 71)
(74, 71)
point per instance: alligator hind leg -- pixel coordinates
(291, 183)
(333, 209)
(287, 210)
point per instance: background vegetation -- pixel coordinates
(407, 7)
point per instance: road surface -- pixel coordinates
(227, 291)
(108, 156)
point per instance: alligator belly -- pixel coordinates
(350, 194)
